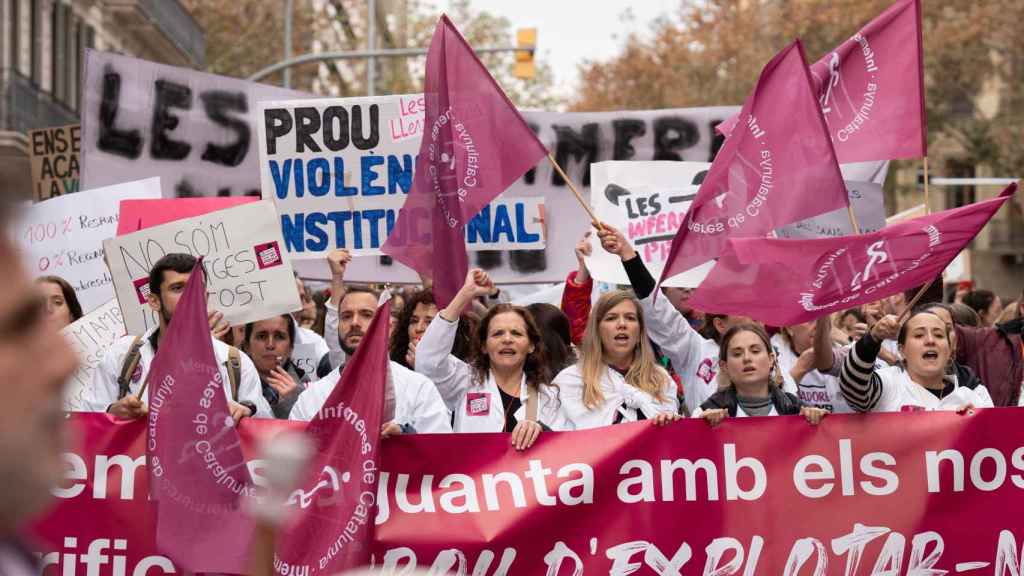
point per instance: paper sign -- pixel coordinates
(141, 214)
(64, 237)
(647, 201)
(248, 273)
(53, 153)
(868, 203)
(90, 336)
(339, 171)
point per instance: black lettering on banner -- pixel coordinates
(528, 261)
(583, 147)
(125, 143)
(717, 140)
(335, 141)
(360, 141)
(307, 120)
(185, 189)
(625, 131)
(167, 95)
(673, 133)
(531, 175)
(277, 123)
(488, 259)
(217, 104)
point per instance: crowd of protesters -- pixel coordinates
(483, 364)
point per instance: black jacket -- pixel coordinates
(785, 403)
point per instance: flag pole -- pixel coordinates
(593, 218)
(927, 197)
(853, 219)
(915, 299)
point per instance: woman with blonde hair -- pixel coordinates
(750, 380)
(617, 378)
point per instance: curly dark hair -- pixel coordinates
(400, 336)
(536, 368)
(556, 333)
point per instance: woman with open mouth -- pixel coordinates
(270, 344)
(617, 378)
(750, 381)
(921, 382)
(505, 387)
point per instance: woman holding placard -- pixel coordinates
(505, 387)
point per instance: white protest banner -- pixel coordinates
(206, 145)
(248, 273)
(64, 236)
(339, 171)
(647, 201)
(91, 336)
(192, 129)
(53, 154)
(868, 203)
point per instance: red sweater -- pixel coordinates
(576, 305)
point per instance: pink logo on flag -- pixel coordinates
(268, 255)
(786, 282)
(142, 289)
(197, 474)
(871, 89)
(475, 145)
(335, 506)
(778, 169)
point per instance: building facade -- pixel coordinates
(42, 54)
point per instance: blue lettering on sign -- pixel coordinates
(281, 176)
(368, 163)
(318, 185)
(400, 175)
(521, 232)
(377, 175)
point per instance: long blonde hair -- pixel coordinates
(644, 373)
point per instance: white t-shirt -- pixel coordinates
(815, 388)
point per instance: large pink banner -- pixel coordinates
(919, 494)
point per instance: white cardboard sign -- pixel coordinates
(91, 336)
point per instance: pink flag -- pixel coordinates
(784, 282)
(871, 89)
(335, 505)
(779, 169)
(138, 215)
(197, 474)
(475, 145)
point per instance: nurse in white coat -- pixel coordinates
(506, 386)
(617, 378)
(749, 381)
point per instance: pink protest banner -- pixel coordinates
(752, 496)
(778, 169)
(785, 282)
(137, 215)
(871, 89)
(475, 145)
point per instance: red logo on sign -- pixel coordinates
(268, 255)
(478, 403)
(142, 289)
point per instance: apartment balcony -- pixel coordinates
(24, 107)
(164, 27)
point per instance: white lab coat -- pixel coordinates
(477, 405)
(899, 392)
(816, 389)
(694, 358)
(619, 398)
(417, 402)
(338, 355)
(104, 385)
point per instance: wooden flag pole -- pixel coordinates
(853, 219)
(927, 197)
(915, 299)
(593, 218)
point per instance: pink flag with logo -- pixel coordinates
(335, 506)
(475, 145)
(197, 474)
(779, 169)
(871, 89)
(785, 282)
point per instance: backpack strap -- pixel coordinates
(234, 366)
(131, 362)
(531, 403)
